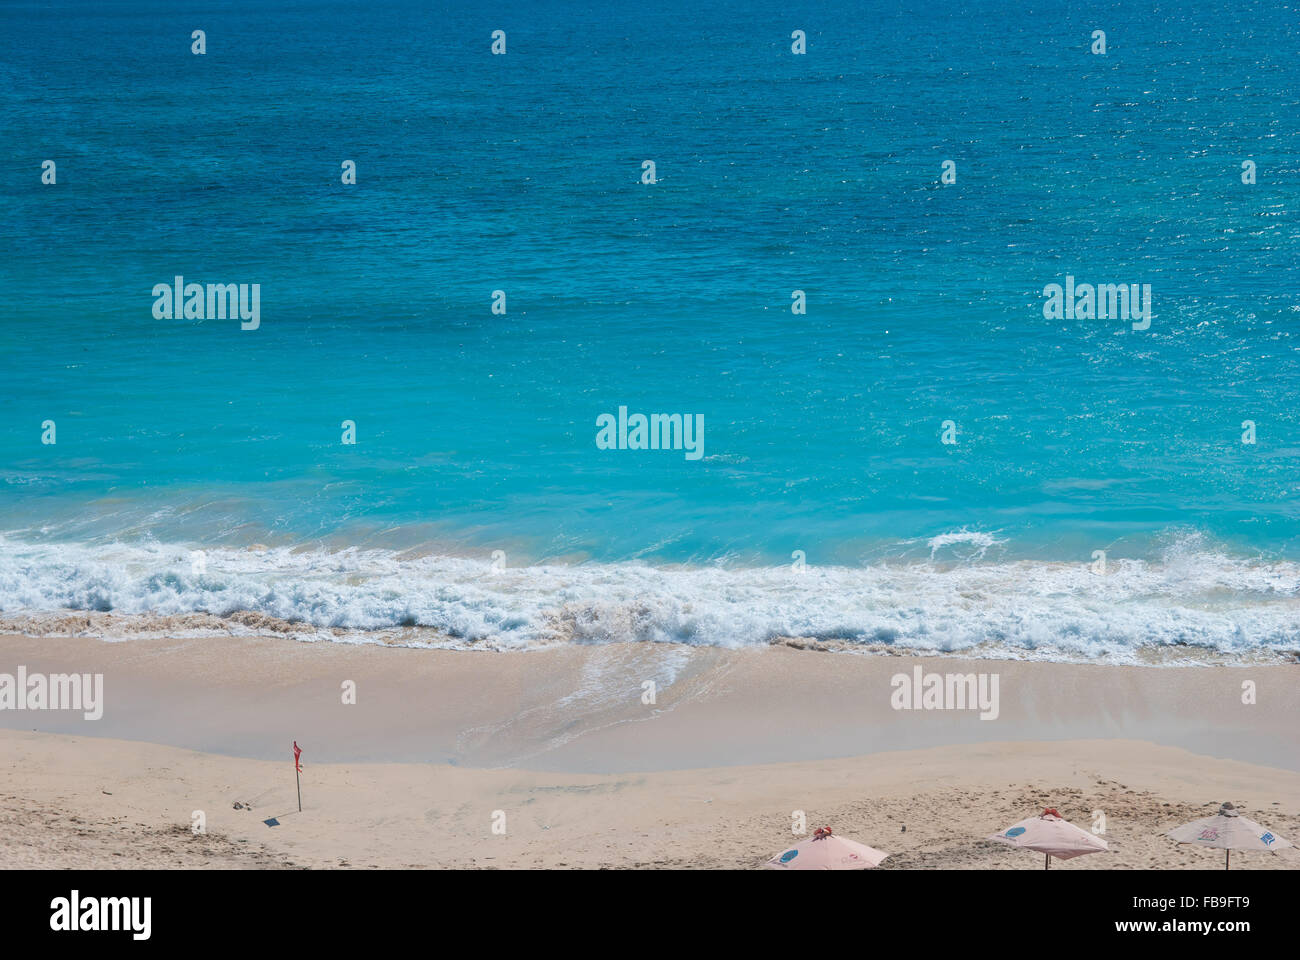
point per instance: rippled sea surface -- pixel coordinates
(199, 467)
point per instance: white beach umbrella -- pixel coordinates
(1228, 830)
(1049, 834)
(823, 851)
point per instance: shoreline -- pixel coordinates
(581, 708)
(112, 627)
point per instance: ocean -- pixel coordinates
(1107, 491)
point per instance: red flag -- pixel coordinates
(297, 752)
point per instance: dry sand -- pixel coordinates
(585, 774)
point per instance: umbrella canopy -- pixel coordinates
(827, 852)
(1048, 833)
(1229, 830)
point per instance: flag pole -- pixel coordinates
(298, 776)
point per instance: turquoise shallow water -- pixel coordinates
(476, 431)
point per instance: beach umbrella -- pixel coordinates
(1228, 830)
(823, 851)
(1050, 835)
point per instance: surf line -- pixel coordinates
(658, 431)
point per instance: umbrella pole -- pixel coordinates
(1047, 864)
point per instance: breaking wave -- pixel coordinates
(1192, 597)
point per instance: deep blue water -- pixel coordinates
(476, 431)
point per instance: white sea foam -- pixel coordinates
(1192, 596)
(977, 542)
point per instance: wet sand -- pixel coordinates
(561, 746)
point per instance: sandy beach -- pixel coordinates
(558, 749)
